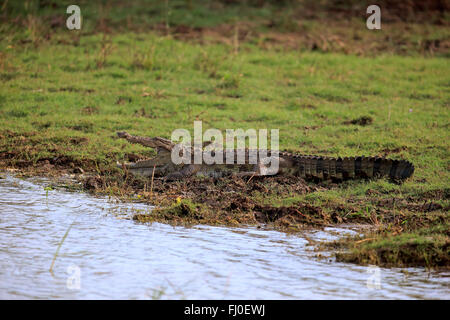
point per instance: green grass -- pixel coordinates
(424, 247)
(58, 92)
(67, 96)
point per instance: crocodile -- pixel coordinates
(308, 167)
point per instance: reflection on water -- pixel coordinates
(106, 256)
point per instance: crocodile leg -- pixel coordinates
(258, 170)
(186, 171)
(146, 171)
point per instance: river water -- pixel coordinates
(106, 256)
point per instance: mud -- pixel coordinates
(235, 200)
(362, 121)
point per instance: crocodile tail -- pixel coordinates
(317, 167)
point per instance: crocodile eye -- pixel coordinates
(213, 153)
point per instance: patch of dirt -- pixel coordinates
(295, 214)
(388, 151)
(78, 140)
(123, 100)
(362, 121)
(425, 206)
(71, 89)
(89, 110)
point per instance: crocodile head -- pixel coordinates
(158, 166)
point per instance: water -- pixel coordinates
(108, 257)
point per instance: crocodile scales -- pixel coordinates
(304, 166)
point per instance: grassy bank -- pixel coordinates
(64, 96)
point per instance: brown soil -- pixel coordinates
(231, 200)
(362, 121)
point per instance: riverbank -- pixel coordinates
(107, 256)
(394, 232)
(65, 95)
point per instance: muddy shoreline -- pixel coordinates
(238, 202)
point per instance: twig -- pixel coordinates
(251, 177)
(364, 240)
(300, 213)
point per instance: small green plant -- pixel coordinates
(157, 294)
(47, 189)
(230, 81)
(106, 48)
(144, 60)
